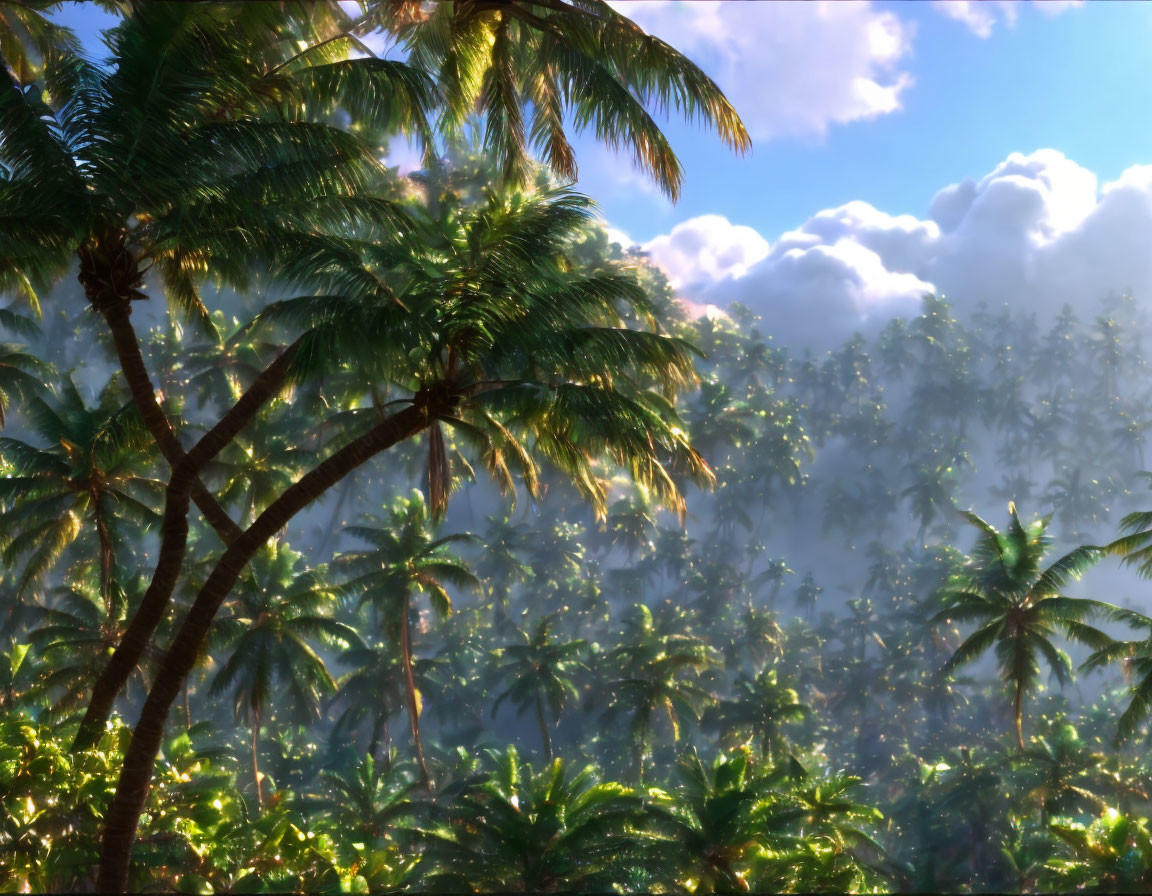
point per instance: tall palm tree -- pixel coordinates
(541, 672)
(529, 67)
(649, 672)
(374, 688)
(527, 358)
(405, 558)
(202, 126)
(199, 150)
(1019, 605)
(267, 641)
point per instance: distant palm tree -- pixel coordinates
(374, 689)
(93, 472)
(268, 638)
(649, 672)
(762, 706)
(541, 671)
(73, 635)
(502, 564)
(1019, 605)
(404, 558)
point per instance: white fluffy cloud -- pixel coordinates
(705, 250)
(1036, 232)
(981, 16)
(791, 69)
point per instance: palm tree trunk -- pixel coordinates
(639, 748)
(545, 740)
(410, 688)
(380, 737)
(144, 395)
(132, 788)
(173, 540)
(256, 757)
(1020, 714)
(105, 539)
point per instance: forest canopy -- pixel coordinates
(368, 531)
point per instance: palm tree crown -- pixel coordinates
(1019, 605)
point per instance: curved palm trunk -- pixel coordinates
(545, 740)
(132, 788)
(173, 540)
(116, 316)
(410, 688)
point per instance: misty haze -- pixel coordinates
(547, 446)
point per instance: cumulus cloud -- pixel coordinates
(791, 69)
(1037, 232)
(706, 249)
(981, 16)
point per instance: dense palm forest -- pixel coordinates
(368, 532)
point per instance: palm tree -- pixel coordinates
(528, 67)
(74, 634)
(366, 802)
(1019, 606)
(523, 830)
(502, 565)
(194, 153)
(762, 706)
(258, 465)
(541, 670)
(715, 822)
(1111, 855)
(806, 594)
(373, 689)
(1136, 656)
(28, 36)
(528, 359)
(648, 674)
(163, 156)
(1063, 774)
(404, 558)
(22, 375)
(268, 639)
(92, 471)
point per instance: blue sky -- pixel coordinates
(1078, 82)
